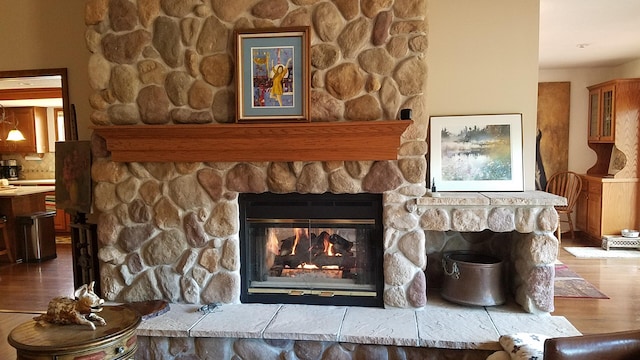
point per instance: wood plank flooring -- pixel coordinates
(617, 278)
(25, 289)
(28, 287)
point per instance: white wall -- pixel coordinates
(483, 59)
(628, 70)
(581, 157)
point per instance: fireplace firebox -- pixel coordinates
(322, 249)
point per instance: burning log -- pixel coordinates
(341, 245)
(320, 250)
(287, 246)
(319, 244)
(326, 260)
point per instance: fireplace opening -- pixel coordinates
(322, 249)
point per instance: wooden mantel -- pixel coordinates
(316, 141)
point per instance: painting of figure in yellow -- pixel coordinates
(272, 76)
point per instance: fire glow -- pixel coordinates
(307, 251)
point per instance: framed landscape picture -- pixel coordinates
(272, 76)
(476, 152)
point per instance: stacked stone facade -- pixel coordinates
(170, 230)
(224, 348)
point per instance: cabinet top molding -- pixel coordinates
(611, 82)
(316, 141)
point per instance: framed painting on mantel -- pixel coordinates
(476, 153)
(272, 75)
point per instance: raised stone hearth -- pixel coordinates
(259, 331)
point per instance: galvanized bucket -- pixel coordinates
(472, 279)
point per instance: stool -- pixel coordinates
(5, 237)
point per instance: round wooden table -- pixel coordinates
(115, 341)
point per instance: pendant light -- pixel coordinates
(14, 134)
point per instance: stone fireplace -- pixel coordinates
(168, 218)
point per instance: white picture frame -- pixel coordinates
(476, 153)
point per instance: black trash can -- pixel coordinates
(37, 234)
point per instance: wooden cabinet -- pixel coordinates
(610, 195)
(32, 122)
(61, 222)
(607, 205)
(613, 131)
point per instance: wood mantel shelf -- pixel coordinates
(316, 141)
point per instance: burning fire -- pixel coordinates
(299, 232)
(308, 251)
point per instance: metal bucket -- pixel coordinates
(472, 279)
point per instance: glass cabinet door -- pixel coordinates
(607, 121)
(602, 114)
(594, 114)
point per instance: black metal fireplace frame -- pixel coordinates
(351, 206)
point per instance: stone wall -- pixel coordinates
(170, 230)
(226, 348)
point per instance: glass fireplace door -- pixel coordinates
(311, 260)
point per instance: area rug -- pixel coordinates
(568, 284)
(595, 252)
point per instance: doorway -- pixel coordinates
(43, 89)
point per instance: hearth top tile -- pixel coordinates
(380, 326)
(454, 198)
(441, 324)
(446, 325)
(522, 198)
(306, 322)
(236, 321)
(510, 319)
(539, 198)
(175, 323)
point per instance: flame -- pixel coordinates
(299, 233)
(329, 250)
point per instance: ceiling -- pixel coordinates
(588, 33)
(54, 81)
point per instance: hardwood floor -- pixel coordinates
(25, 289)
(617, 278)
(28, 287)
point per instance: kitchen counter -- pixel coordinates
(33, 182)
(13, 191)
(21, 201)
